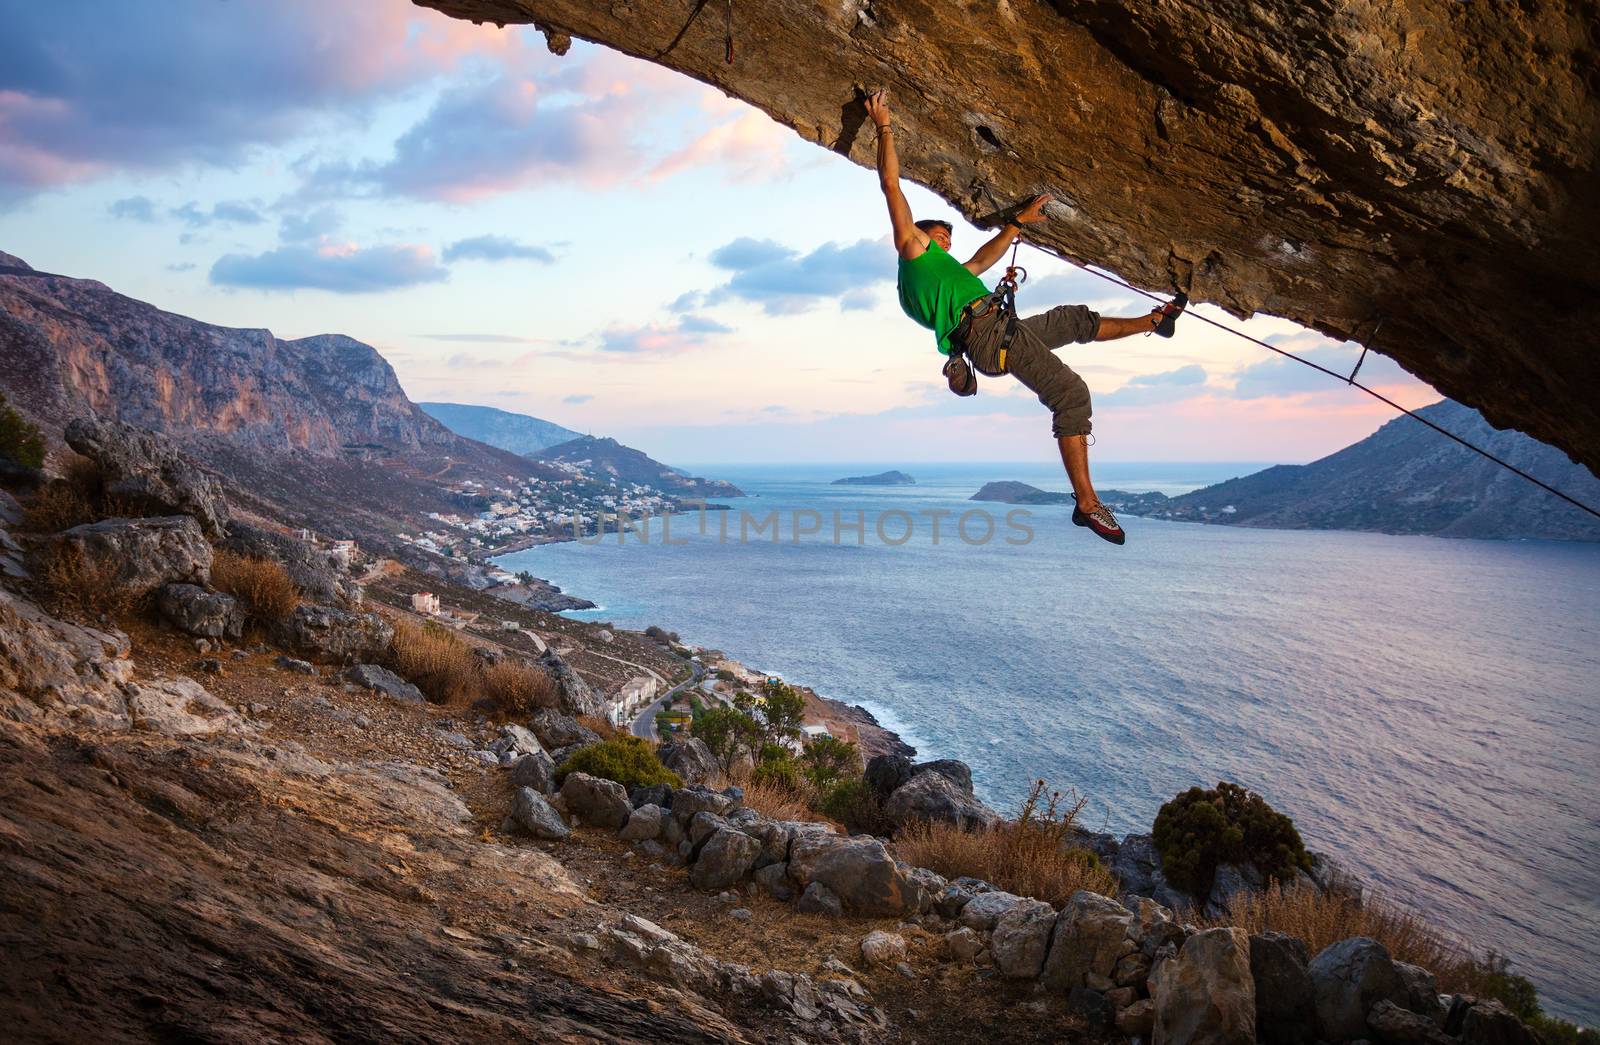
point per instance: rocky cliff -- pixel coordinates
(605, 457)
(318, 427)
(1429, 163)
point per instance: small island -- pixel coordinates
(1009, 492)
(881, 479)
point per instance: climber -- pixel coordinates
(971, 323)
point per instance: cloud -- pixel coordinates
(688, 301)
(750, 147)
(182, 266)
(702, 325)
(577, 398)
(341, 268)
(491, 339)
(1279, 376)
(298, 228)
(134, 208)
(495, 248)
(229, 212)
(82, 96)
(860, 300)
(783, 281)
(1154, 389)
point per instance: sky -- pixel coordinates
(589, 239)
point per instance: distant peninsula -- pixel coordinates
(1009, 492)
(881, 479)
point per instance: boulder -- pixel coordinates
(1206, 995)
(536, 771)
(53, 672)
(724, 860)
(516, 741)
(146, 553)
(1286, 1011)
(382, 680)
(537, 816)
(1137, 866)
(859, 870)
(558, 730)
(1229, 881)
(644, 822)
(147, 467)
(597, 802)
(704, 825)
(335, 634)
(688, 801)
(1422, 991)
(935, 797)
(1490, 1023)
(963, 944)
(954, 770)
(210, 614)
(1348, 979)
(774, 881)
(926, 887)
(654, 795)
(883, 948)
(1334, 878)
(690, 759)
(1022, 939)
(1087, 942)
(1137, 1020)
(819, 899)
(955, 895)
(982, 912)
(299, 667)
(574, 695)
(1392, 1024)
(1096, 1010)
(885, 773)
(312, 569)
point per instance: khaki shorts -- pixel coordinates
(1031, 361)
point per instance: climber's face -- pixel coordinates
(940, 235)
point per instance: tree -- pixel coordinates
(826, 759)
(780, 708)
(727, 732)
(19, 439)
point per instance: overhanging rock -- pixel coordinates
(1427, 162)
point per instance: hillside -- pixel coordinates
(1404, 478)
(890, 478)
(315, 431)
(605, 457)
(1011, 492)
(517, 433)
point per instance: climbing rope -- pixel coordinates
(1349, 380)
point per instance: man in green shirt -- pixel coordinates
(947, 297)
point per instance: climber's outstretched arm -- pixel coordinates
(909, 240)
(995, 249)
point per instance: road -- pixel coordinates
(645, 724)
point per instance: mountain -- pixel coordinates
(881, 479)
(1404, 478)
(317, 428)
(1009, 492)
(603, 457)
(518, 433)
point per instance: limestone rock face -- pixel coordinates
(1350, 977)
(1087, 943)
(212, 614)
(1427, 162)
(56, 672)
(1022, 938)
(576, 696)
(690, 759)
(858, 870)
(336, 634)
(933, 796)
(179, 707)
(381, 680)
(136, 462)
(600, 803)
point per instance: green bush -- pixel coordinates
(827, 759)
(628, 760)
(777, 767)
(854, 804)
(1228, 824)
(19, 439)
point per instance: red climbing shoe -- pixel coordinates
(1101, 521)
(1165, 318)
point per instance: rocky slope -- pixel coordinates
(1404, 478)
(1428, 162)
(518, 433)
(605, 457)
(890, 478)
(1011, 492)
(309, 430)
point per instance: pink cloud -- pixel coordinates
(748, 147)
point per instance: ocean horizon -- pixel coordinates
(1423, 707)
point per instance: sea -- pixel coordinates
(1427, 710)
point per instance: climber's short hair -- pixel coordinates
(928, 224)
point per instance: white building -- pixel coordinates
(634, 696)
(343, 552)
(425, 602)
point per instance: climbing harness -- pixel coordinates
(1349, 380)
(957, 370)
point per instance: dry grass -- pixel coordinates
(1321, 919)
(82, 583)
(601, 725)
(517, 689)
(55, 507)
(1029, 856)
(781, 801)
(262, 586)
(438, 662)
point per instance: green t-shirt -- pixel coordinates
(934, 288)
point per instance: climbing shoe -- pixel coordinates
(1101, 521)
(1165, 318)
